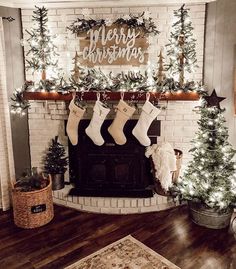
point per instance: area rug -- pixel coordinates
(127, 253)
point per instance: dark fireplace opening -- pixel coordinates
(111, 170)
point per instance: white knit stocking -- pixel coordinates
(76, 113)
(124, 112)
(148, 114)
(94, 129)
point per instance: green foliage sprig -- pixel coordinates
(31, 181)
(19, 105)
(142, 22)
(96, 80)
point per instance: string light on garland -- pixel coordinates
(96, 80)
(212, 170)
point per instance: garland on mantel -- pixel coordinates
(96, 80)
(142, 22)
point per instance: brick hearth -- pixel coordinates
(113, 205)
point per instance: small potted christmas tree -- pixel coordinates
(55, 164)
(209, 182)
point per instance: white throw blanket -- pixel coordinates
(163, 156)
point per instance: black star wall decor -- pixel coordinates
(213, 99)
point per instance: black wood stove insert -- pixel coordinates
(111, 170)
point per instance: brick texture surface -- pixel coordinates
(109, 205)
(178, 121)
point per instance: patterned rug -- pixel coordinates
(127, 253)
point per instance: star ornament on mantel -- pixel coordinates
(213, 99)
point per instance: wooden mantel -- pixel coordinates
(113, 96)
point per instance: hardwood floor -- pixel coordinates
(73, 235)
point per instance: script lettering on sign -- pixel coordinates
(115, 45)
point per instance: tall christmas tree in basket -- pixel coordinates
(182, 47)
(42, 52)
(209, 182)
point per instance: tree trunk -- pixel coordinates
(181, 62)
(43, 74)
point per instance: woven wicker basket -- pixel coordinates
(33, 209)
(175, 174)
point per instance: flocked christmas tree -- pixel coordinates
(77, 71)
(160, 76)
(42, 53)
(210, 176)
(55, 161)
(182, 47)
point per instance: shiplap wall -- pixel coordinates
(15, 78)
(220, 56)
(7, 170)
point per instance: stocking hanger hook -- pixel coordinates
(147, 96)
(98, 96)
(73, 94)
(122, 94)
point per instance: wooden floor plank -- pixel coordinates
(73, 235)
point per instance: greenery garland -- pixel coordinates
(96, 80)
(142, 22)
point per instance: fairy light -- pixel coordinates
(191, 192)
(222, 204)
(206, 186)
(234, 190)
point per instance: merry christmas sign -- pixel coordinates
(113, 45)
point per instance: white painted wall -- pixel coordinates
(220, 53)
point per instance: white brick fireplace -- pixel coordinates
(178, 121)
